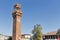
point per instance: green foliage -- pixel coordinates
(10, 38)
(37, 34)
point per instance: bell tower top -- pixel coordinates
(17, 10)
(17, 6)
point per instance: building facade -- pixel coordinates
(23, 37)
(4, 37)
(51, 36)
(26, 37)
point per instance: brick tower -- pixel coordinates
(17, 13)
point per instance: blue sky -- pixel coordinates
(44, 12)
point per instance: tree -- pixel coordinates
(10, 38)
(37, 34)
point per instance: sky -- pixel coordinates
(44, 12)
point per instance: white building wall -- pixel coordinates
(2, 37)
(25, 39)
(51, 39)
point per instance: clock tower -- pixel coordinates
(17, 14)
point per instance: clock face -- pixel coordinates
(18, 20)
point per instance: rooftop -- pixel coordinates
(51, 33)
